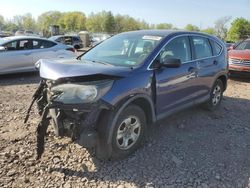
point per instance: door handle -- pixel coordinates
(27, 53)
(215, 62)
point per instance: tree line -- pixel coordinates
(106, 22)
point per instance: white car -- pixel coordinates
(20, 53)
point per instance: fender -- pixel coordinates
(224, 73)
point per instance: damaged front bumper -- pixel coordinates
(77, 121)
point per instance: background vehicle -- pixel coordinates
(96, 38)
(239, 57)
(68, 40)
(109, 97)
(19, 53)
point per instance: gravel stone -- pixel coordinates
(193, 148)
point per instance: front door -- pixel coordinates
(17, 56)
(176, 87)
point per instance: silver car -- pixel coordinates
(20, 53)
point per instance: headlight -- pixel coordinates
(80, 93)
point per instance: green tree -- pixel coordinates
(29, 22)
(221, 26)
(101, 22)
(48, 18)
(18, 21)
(108, 24)
(125, 23)
(10, 26)
(72, 21)
(1, 22)
(164, 26)
(94, 22)
(240, 29)
(143, 24)
(191, 27)
(209, 30)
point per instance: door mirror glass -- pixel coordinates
(171, 63)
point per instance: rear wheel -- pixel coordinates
(126, 135)
(215, 96)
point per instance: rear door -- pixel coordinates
(176, 87)
(206, 63)
(17, 56)
(43, 49)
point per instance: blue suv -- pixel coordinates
(108, 97)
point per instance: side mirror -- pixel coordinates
(2, 48)
(171, 63)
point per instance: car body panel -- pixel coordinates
(71, 67)
(22, 61)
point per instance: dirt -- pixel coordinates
(193, 148)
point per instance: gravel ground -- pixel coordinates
(194, 148)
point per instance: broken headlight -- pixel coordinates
(71, 93)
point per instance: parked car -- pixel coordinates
(96, 38)
(4, 34)
(239, 57)
(109, 97)
(68, 40)
(19, 53)
(25, 33)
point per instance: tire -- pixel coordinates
(77, 47)
(127, 134)
(216, 95)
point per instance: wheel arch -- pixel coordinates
(143, 101)
(223, 79)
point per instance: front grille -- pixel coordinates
(239, 62)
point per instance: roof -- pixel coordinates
(164, 32)
(22, 37)
(8, 39)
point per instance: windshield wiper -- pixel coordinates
(80, 56)
(100, 62)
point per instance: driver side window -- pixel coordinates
(178, 48)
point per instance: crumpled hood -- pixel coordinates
(54, 69)
(239, 54)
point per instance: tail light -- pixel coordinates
(71, 49)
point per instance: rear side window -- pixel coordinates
(75, 39)
(40, 44)
(202, 47)
(216, 47)
(60, 39)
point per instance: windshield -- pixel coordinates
(245, 45)
(129, 49)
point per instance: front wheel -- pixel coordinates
(215, 96)
(126, 135)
